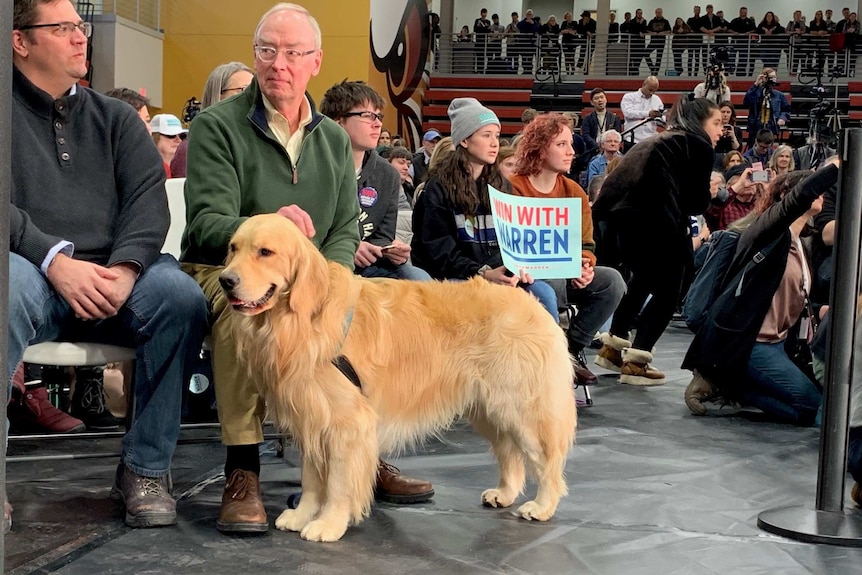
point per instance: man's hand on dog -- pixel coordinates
(299, 217)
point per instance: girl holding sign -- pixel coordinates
(643, 214)
(545, 154)
(453, 230)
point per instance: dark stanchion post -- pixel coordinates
(828, 522)
(5, 197)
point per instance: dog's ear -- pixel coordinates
(310, 283)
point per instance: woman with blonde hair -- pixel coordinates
(782, 161)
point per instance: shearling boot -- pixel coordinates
(610, 356)
(636, 369)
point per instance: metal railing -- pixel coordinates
(623, 55)
(143, 12)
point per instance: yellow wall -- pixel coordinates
(201, 34)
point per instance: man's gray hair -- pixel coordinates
(288, 6)
(610, 133)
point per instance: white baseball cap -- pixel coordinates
(166, 124)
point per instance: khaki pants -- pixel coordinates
(241, 408)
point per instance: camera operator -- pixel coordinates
(714, 87)
(768, 108)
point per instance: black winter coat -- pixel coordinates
(649, 197)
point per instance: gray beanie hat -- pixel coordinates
(467, 115)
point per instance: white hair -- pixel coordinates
(610, 133)
(716, 175)
(285, 7)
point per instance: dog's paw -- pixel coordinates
(319, 530)
(290, 520)
(531, 510)
(496, 498)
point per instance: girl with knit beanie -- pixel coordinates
(454, 236)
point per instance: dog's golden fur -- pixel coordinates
(425, 352)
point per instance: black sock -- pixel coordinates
(245, 457)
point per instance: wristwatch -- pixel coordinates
(482, 270)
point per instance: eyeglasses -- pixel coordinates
(269, 54)
(366, 115)
(181, 136)
(63, 29)
(238, 89)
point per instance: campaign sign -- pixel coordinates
(541, 236)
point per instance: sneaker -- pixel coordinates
(636, 368)
(610, 356)
(88, 401)
(32, 412)
(147, 500)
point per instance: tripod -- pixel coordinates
(815, 75)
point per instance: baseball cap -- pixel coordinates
(431, 135)
(167, 125)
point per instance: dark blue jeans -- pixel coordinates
(777, 387)
(165, 318)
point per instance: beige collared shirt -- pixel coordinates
(281, 127)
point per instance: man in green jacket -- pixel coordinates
(266, 150)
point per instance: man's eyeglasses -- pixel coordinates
(269, 54)
(63, 29)
(236, 90)
(366, 115)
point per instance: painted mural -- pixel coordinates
(401, 45)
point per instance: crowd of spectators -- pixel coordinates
(567, 45)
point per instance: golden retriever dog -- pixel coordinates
(425, 353)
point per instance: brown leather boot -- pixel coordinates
(393, 487)
(147, 500)
(855, 495)
(242, 509)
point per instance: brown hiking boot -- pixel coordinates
(242, 509)
(32, 412)
(147, 500)
(701, 396)
(636, 369)
(610, 356)
(393, 487)
(697, 393)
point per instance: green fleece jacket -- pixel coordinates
(237, 169)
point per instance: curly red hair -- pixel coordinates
(533, 144)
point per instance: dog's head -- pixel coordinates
(270, 262)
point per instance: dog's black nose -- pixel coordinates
(228, 280)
